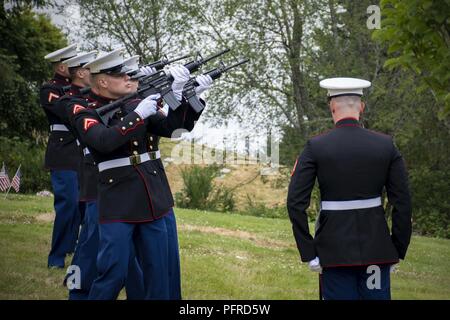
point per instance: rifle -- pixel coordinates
(160, 64)
(108, 110)
(158, 82)
(83, 91)
(160, 77)
(189, 89)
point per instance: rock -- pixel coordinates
(225, 170)
(268, 171)
(44, 193)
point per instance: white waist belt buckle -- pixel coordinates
(132, 160)
(351, 204)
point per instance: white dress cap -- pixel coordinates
(344, 86)
(110, 63)
(133, 63)
(62, 54)
(81, 59)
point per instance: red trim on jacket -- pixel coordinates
(124, 132)
(295, 166)
(347, 118)
(347, 122)
(348, 125)
(360, 265)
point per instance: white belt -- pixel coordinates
(132, 160)
(86, 151)
(58, 127)
(351, 204)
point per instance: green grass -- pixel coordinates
(223, 256)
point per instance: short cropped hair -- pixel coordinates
(347, 101)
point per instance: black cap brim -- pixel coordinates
(116, 70)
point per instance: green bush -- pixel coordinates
(199, 191)
(431, 202)
(261, 210)
(222, 199)
(431, 223)
(31, 156)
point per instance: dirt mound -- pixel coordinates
(267, 243)
(45, 217)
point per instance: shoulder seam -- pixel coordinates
(381, 133)
(321, 134)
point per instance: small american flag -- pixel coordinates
(4, 179)
(15, 182)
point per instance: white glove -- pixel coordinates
(204, 82)
(180, 76)
(147, 70)
(393, 268)
(148, 106)
(314, 265)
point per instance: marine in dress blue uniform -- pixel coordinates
(133, 191)
(62, 159)
(80, 78)
(353, 246)
(85, 256)
(153, 146)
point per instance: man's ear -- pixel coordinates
(62, 68)
(103, 82)
(363, 106)
(80, 73)
(332, 105)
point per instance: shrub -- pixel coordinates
(431, 202)
(222, 199)
(431, 223)
(199, 191)
(261, 210)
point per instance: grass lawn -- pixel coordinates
(223, 256)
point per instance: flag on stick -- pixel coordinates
(15, 182)
(4, 179)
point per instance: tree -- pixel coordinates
(273, 88)
(147, 28)
(292, 45)
(26, 37)
(418, 34)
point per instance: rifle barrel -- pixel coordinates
(177, 59)
(215, 55)
(236, 65)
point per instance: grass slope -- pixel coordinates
(223, 256)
